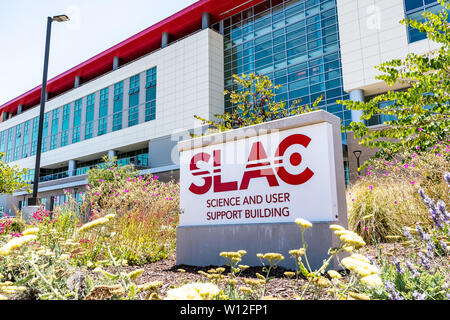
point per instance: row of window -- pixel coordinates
(69, 125)
(138, 158)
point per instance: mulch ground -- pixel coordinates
(279, 287)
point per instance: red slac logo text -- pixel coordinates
(258, 158)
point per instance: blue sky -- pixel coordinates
(95, 26)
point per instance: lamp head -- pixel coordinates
(60, 18)
(357, 153)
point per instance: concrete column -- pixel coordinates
(357, 95)
(72, 167)
(19, 109)
(206, 20)
(77, 82)
(5, 116)
(111, 154)
(164, 39)
(47, 95)
(116, 63)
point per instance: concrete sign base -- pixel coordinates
(253, 238)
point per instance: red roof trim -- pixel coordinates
(177, 25)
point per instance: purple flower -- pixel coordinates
(407, 233)
(414, 272)
(418, 296)
(398, 266)
(126, 190)
(392, 293)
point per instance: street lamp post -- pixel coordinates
(357, 154)
(60, 18)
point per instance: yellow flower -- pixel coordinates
(194, 291)
(368, 216)
(336, 227)
(289, 274)
(260, 276)
(2, 297)
(273, 257)
(16, 243)
(30, 231)
(242, 252)
(360, 257)
(181, 270)
(220, 270)
(358, 296)
(303, 223)
(136, 273)
(110, 216)
(93, 224)
(297, 252)
(260, 255)
(360, 267)
(334, 274)
(246, 290)
(353, 240)
(253, 282)
(321, 282)
(243, 267)
(372, 280)
(153, 285)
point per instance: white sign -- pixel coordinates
(269, 178)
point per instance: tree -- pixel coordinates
(11, 177)
(421, 112)
(110, 172)
(254, 103)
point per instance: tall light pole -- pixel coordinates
(357, 154)
(60, 18)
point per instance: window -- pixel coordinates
(89, 128)
(381, 118)
(133, 111)
(103, 112)
(150, 95)
(414, 9)
(45, 133)
(2, 141)
(17, 153)
(76, 121)
(9, 145)
(65, 125)
(34, 136)
(55, 129)
(26, 137)
(117, 106)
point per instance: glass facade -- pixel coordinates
(89, 126)
(103, 112)
(150, 95)
(26, 137)
(55, 129)
(17, 142)
(70, 124)
(117, 106)
(295, 43)
(65, 125)
(34, 136)
(133, 96)
(76, 132)
(414, 10)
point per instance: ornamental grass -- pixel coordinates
(385, 199)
